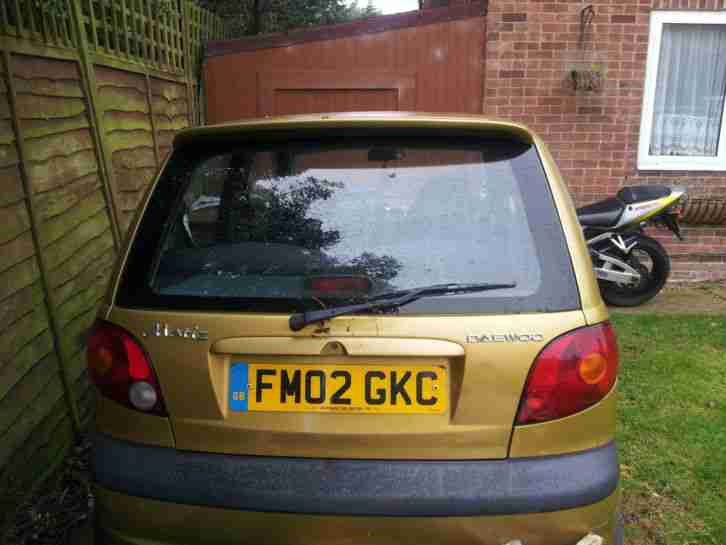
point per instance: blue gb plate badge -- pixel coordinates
(238, 386)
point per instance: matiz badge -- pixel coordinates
(165, 330)
(505, 338)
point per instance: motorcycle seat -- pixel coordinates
(642, 193)
(605, 213)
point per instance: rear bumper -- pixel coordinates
(369, 488)
(128, 520)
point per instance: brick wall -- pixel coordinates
(593, 135)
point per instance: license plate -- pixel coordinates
(337, 388)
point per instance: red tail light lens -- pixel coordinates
(572, 373)
(120, 369)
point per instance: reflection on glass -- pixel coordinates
(350, 222)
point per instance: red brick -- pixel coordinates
(514, 17)
(526, 45)
(511, 73)
(557, 46)
(593, 136)
(589, 110)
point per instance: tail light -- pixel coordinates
(572, 373)
(121, 370)
(679, 207)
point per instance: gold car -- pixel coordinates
(356, 329)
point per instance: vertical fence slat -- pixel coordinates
(177, 41)
(124, 23)
(92, 22)
(186, 58)
(153, 33)
(170, 20)
(132, 29)
(159, 39)
(170, 34)
(163, 25)
(154, 136)
(167, 39)
(28, 20)
(152, 39)
(31, 18)
(54, 28)
(19, 25)
(49, 299)
(180, 39)
(139, 30)
(106, 22)
(43, 25)
(68, 27)
(94, 118)
(146, 32)
(103, 21)
(170, 38)
(156, 25)
(115, 28)
(4, 21)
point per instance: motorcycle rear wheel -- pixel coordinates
(654, 279)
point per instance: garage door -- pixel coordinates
(430, 60)
(316, 91)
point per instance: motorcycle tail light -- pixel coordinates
(572, 373)
(119, 367)
(679, 208)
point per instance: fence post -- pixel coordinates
(49, 295)
(103, 156)
(152, 121)
(188, 63)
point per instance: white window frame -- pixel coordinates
(665, 162)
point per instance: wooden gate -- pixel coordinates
(430, 60)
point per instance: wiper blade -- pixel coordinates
(391, 300)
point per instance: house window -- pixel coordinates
(683, 125)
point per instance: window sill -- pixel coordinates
(683, 164)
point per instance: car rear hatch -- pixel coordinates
(240, 234)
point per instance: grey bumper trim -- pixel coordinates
(357, 487)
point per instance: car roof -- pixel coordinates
(358, 120)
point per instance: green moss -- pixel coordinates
(18, 277)
(84, 209)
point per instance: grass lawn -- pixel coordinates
(672, 428)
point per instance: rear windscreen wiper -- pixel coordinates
(391, 301)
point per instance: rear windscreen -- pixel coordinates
(293, 225)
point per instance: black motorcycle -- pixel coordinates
(631, 267)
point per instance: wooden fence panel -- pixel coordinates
(30, 380)
(88, 108)
(74, 224)
(170, 107)
(126, 123)
(67, 198)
